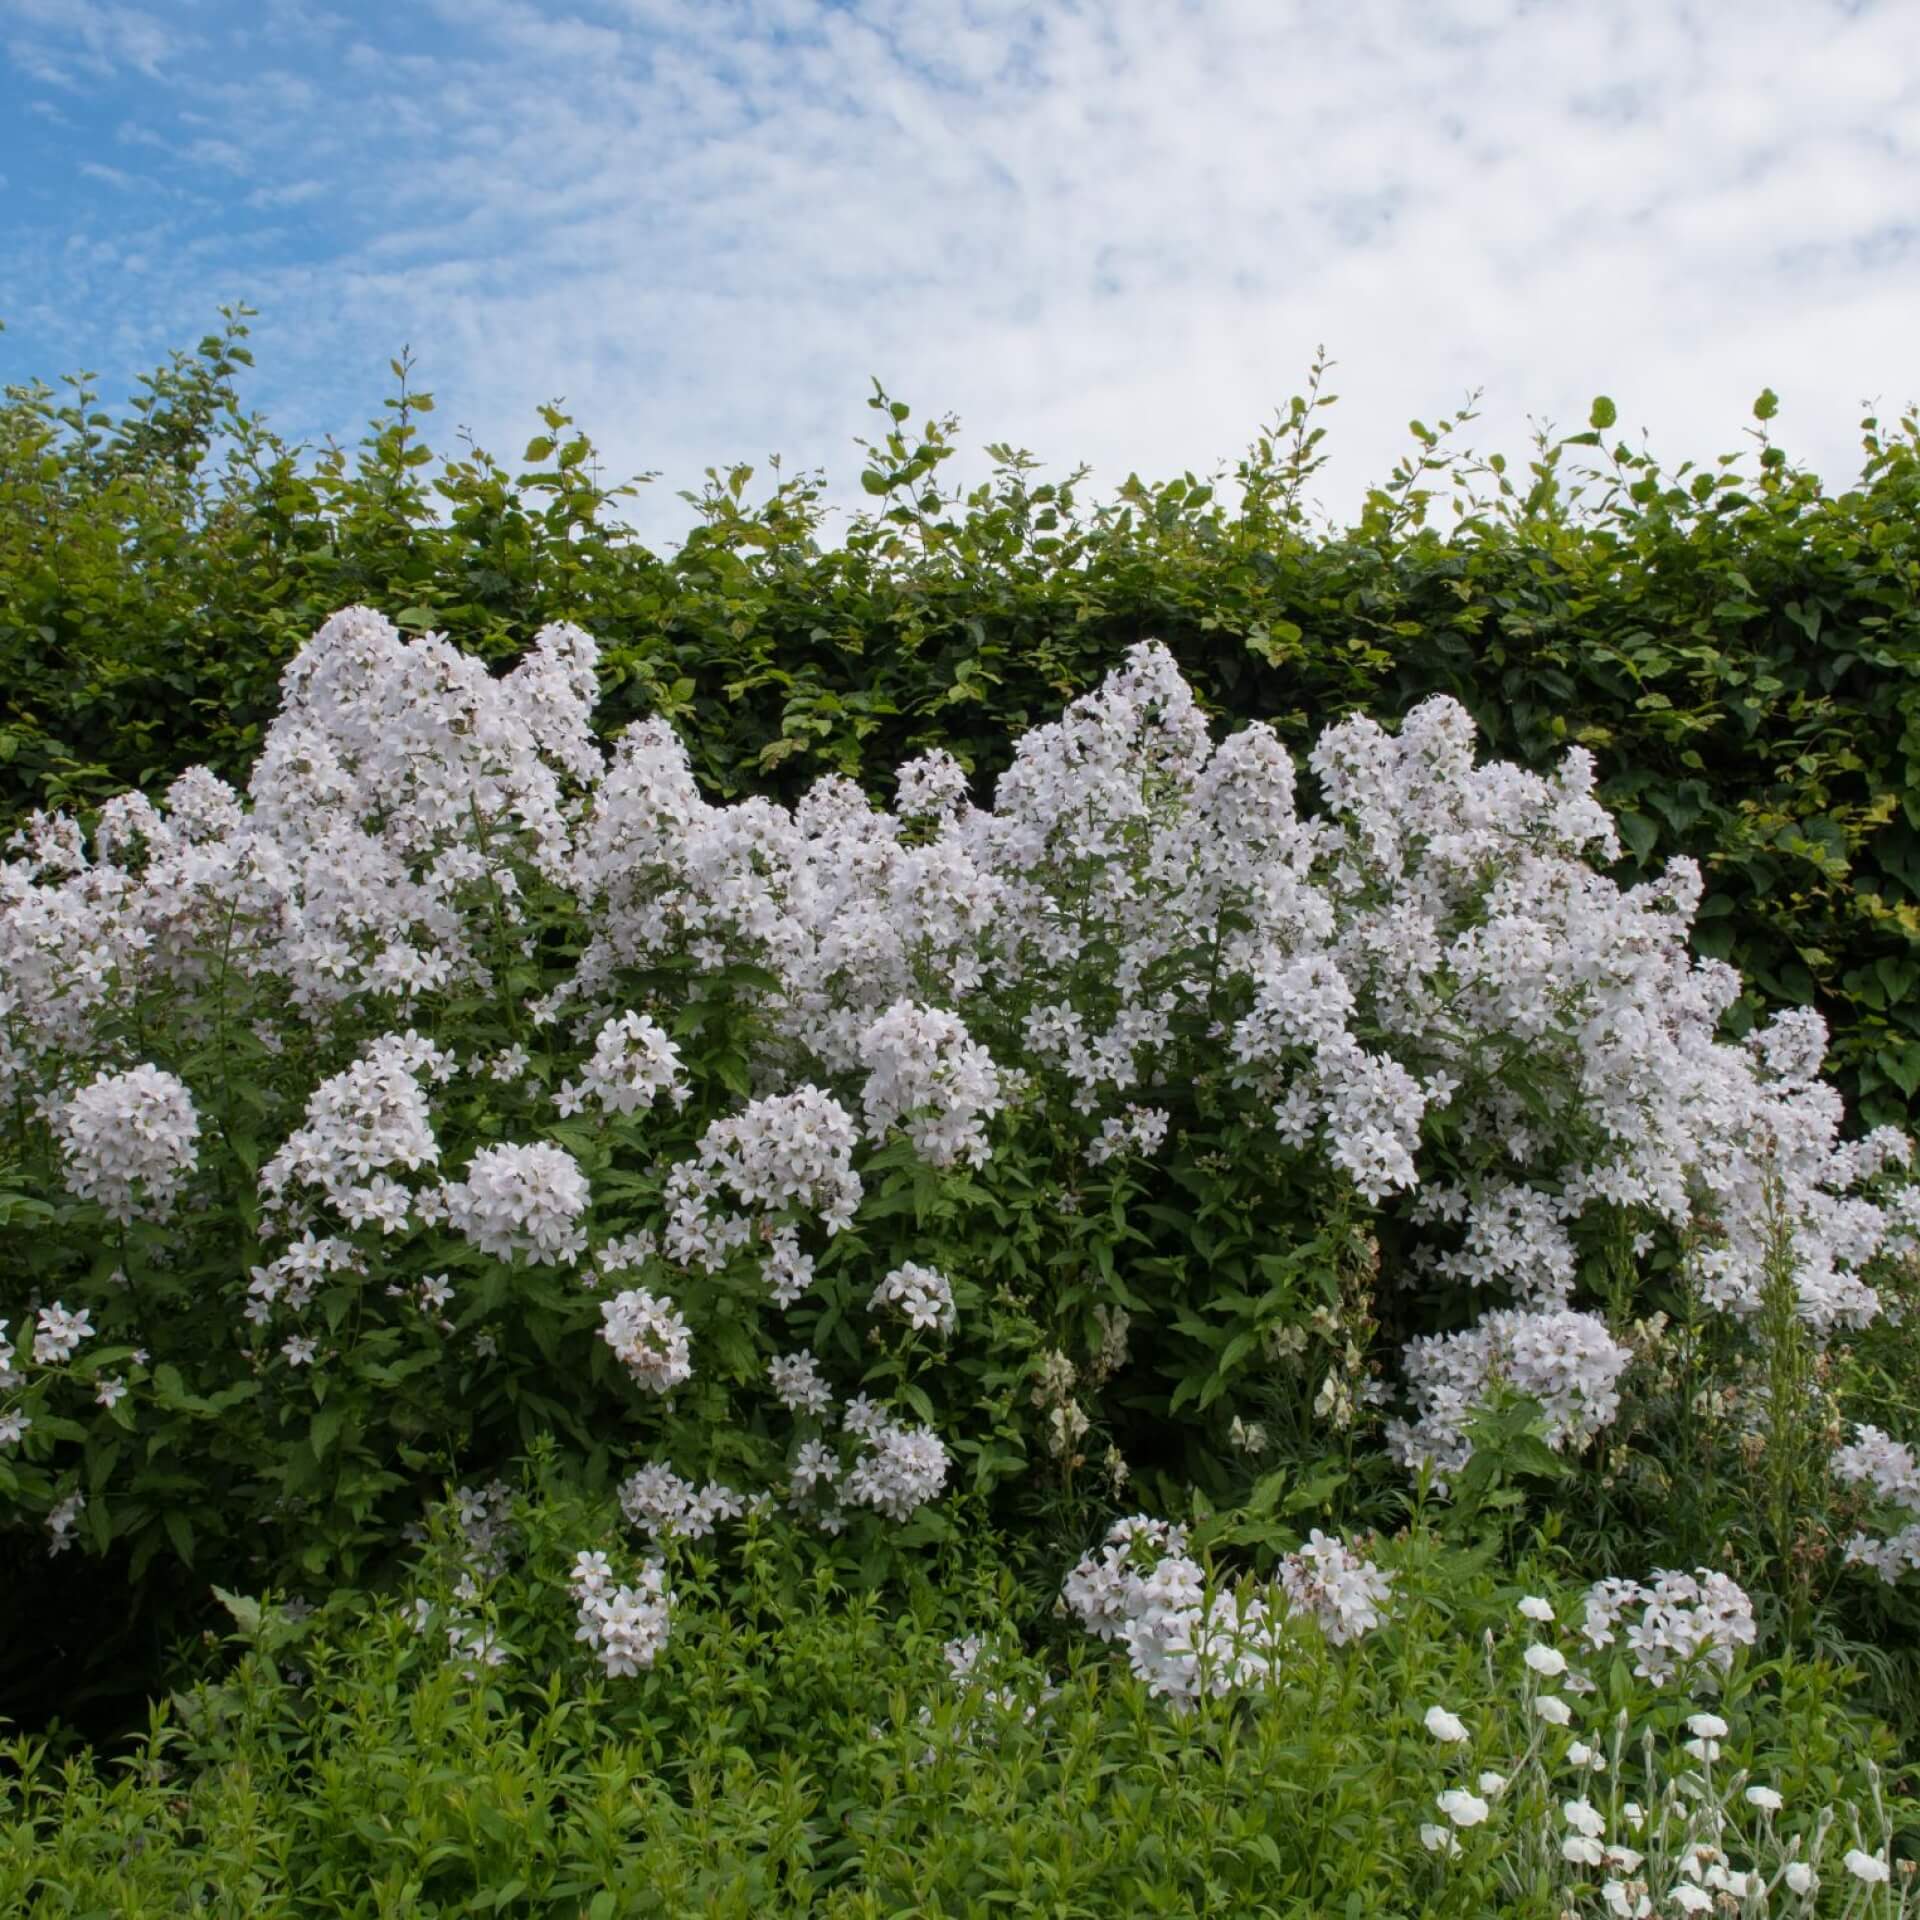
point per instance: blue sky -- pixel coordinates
(1112, 234)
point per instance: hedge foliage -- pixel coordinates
(1741, 650)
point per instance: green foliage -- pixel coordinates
(802, 1750)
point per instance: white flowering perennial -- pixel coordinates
(650, 1338)
(1344, 1594)
(1683, 1624)
(922, 1296)
(1143, 1590)
(632, 1064)
(900, 1469)
(130, 1140)
(660, 1503)
(1567, 1361)
(521, 1200)
(626, 1626)
(360, 1125)
(1616, 1824)
(786, 1152)
(927, 1076)
(1140, 910)
(1887, 1468)
(57, 1335)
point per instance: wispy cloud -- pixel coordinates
(1106, 232)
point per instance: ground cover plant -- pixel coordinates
(1300, 1235)
(801, 1749)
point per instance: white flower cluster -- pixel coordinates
(788, 1150)
(293, 1276)
(1701, 1838)
(1567, 1361)
(655, 1499)
(923, 1296)
(798, 1385)
(1145, 1591)
(927, 1075)
(521, 1200)
(57, 1336)
(632, 1064)
(359, 1125)
(131, 1139)
(1687, 1623)
(900, 1469)
(1887, 1466)
(62, 1518)
(933, 784)
(650, 1338)
(1139, 1131)
(1343, 1592)
(626, 1626)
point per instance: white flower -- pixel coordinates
(1582, 1755)
(62, 1519)
(1691, 1899)
(590, 1572)
(1464, 1809)
(929, 1076)
(1801, 1878)
(1546, 1661)
(1584, 1818)
(298, 1350)
(1535, 1608)
(1581, 1851)
(1567, 1361)
(906, 1468)
(1438, 1839)
(110, 1390)
(1445, 1726)
(1869, 1867)
(633, 1063)
(1553, 1710)
(1708, 1726)
(1493, 1785)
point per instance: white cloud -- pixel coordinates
(1112, 233)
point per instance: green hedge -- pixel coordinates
(1740, 651)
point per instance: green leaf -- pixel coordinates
(1767, 405)
(245, 1610)
(538, 448)
(1604, 413)
(180, 1532)
(326, 1429)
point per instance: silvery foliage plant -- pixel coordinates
(469, 1076)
